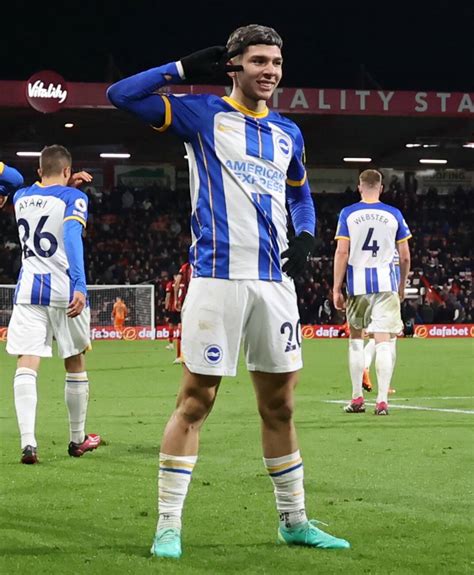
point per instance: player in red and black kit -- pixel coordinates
(181, 285)
(172, 315)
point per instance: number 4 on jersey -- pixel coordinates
(371, 247)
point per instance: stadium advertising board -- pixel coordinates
(46, 91)
(444, 330)
(132, 333)
(159, 175)
(136, 333)
(421, 331)
(284, 100)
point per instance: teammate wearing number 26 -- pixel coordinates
(367, 234)
(246, 163)
(50, 296)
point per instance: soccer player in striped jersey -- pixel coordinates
(367, 234)
(246, 163)
(50, 296)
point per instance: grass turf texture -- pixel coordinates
(398, 488)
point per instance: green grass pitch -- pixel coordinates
(399, 488)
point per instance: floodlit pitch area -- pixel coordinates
(399, 488)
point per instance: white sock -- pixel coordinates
(369, 353)
(24, 391)
(76, 394)
(173, 483)
(393, 349)
(286, 473)
(356, 366)
(384, 368)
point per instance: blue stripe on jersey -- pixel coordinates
(46, 289)
(393, 282)
(36, 289)
(368, 280)
(213, 260)
(252, 141)
(375, 280)
(266, 138)
(258, 140)
(268, 251)
(17, 289)
(397, 275)
(350, 280)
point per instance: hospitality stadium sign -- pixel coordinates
(46, 91)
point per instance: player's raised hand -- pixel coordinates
(77, 304)
(338, 300)
(78, 179)
(209, 62)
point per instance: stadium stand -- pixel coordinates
(141, 235)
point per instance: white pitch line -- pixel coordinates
(471, 397)
(414, 407)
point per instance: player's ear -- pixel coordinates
(39, 173)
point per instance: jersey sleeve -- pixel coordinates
(403, 232)
(76, 206)
(296, 174)
(184, 115)
(10, 179)
(342, 231)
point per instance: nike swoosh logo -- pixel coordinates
(224, 128)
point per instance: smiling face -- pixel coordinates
(261, 75)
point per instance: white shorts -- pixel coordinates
(31, 330)
(218, 314)
(375, 312)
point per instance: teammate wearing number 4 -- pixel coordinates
(245, 162)
(50, 297)
(367, 234)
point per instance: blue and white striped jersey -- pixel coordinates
(40, 214)
(396, 263)
(240, 164)
(373, 230)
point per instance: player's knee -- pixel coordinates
(193, 410)
(276, 412)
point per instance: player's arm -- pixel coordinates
(402, 237)
(405, 260)
(341, 258)
(167, 300)
(137, 94)
(302, 212)
(10, 180)
(75, 218)
(176, 285)
(75, 257)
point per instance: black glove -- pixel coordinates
(298, 252)
(209, 62)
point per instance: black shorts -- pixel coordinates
(173, 317)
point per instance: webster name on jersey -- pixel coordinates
(373, 229)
